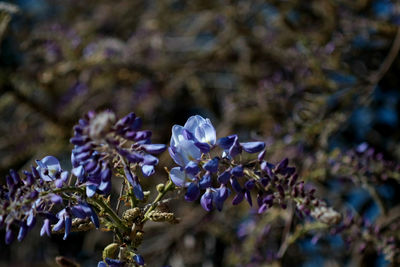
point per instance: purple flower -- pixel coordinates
(211, 165)
(180, 177)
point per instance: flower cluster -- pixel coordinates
(191, 147)
(100, 138)
(35, 194)
(209, 168)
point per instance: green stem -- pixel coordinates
(169, 186)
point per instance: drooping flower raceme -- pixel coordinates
(214, 176)
(97, 136)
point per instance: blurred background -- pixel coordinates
(313, 79)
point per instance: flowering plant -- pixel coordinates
(106, 148)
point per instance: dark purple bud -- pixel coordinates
(249, 185)
(207, 200)
(264, 181)
(293, 180)
(68, 225)
(15, 176)
(78, 212)
(212, 165)
(247, 195)
(82, 149)
(137, 191)
(193, 192)
(150, 160)
(125, 121)
(78, 140)
(138, 259)
(238, 198)
(129, 176)
(93, 217)
(235, 185)
(253, 147)
(33, 194)
(137, 124)
(282, 166)
(267, 168)
(82, 156)
(134, 157)
(220, 196)
(261, 156)
(154, 148)
(235, 149)
(29, 180)
(237, 171)
(9, 181)
(23, 230)
(106, 173)
(35, 172)
(9, 238)
(130, 135)
(142, 135)
(223, 178)
(226, 142)
(300, 188)
(205, 182)
(192, 168)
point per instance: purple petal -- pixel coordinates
(154, 148)
(178, 176)
(253, 147)
(142, 135)
(235, 185)
(205, 182)
(192, 168)
(91, 190)
(238, 198)
(223, 178)
(204, 147)
(23, 230)
(150, 160)
(9, 238)
(206, 200)
(247, 195)
(237, 171)
(249, 185)
(226, 142)
(148, 170)
(59, 225)
(212, 165)
(193, 192)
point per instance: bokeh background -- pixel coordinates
(313, 79)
